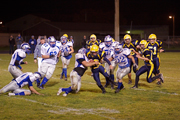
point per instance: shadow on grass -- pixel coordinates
(91, 90)
(51, 83)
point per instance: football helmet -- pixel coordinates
(152, 38)
(93, 37)
(94, 48)
(65, 35)
(63, 39)
(82, 51)
(143, 42)
(108, 40)
(52, 41)
(37, 75)
(118, 48)
(126, 38)
(25, 47)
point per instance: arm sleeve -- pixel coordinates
(105, 59)
(80, 60)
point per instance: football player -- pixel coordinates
(69, 40)
(50, 52)
(17, 59)
(66, 50)
(16, 84)
(96, 55)
(37, 53)
(156, 47)
(148, 67)
(81, 64)
(132, 45)
(121, 58)
(108, 47)
(93, 41)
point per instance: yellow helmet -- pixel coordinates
(93, 36)
(127, 37)
(113, 39)
(94, 48)
(143, 42)
(65, 35)
(152, 36)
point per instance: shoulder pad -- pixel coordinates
(22, 54)
(126, 51)
(79, 55)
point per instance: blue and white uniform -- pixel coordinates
(16, 85)
(16, 60)
(123, 63)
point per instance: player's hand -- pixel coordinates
(135, 65)
(25, 62)
(111, 67)
(50, 56)
(35, 61)
(21, 69)
(161, 50)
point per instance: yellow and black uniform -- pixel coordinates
(155, 47)
(148, 67)
(90, 43)
(99, 68)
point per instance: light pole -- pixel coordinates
(172, 17)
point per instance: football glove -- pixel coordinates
(51, 56)
(135, 65)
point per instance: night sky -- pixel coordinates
(140, 12)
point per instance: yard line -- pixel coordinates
(63, 110)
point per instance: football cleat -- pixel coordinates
(106, 85)
(61, 77)
(65, 79)
(134, 87)
(59, 91)
(64, 94)
(11, 94)
(130, 82)
(158, 83)
(112, 86)
(161, 78)
(103, 91)
(41, 87)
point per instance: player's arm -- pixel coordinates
(72, 50)
(34, 91)
(143, 58)
(88, 64)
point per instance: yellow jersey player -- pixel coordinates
(93, 41)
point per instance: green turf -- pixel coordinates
(148, 102)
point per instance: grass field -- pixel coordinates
(148, 102)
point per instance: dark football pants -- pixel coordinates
(131, 64)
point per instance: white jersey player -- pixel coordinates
(50, 54)
(122, 57)
(81, 64)
(108, 47)
(16, 84)
(17, 59)
(66, 50)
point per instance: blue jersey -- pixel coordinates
(131, 46)
(155, 48)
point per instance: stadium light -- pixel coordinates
(128, 32)
(0, 22)
(172, 17)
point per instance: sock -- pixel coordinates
(21, 93)
(68, 90)
(62, 72)
(65, 89)
(112, 76)
(119, 85)
(44, 81)
(65, 72)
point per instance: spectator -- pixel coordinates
(83, 43)
(38, 40)
(32, 43)
(46, 40)
(19, 40)
(11, 44)
(71, 39)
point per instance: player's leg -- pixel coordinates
(49, 73)
(129, 74)
(120, 74)
(20, 92)
(106, 66)
(15, 72)
(43, 70)
(39, 63)
(96, 78)
(142, 70)
(9, 87)
(65, 68)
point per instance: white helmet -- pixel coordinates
(52, 41)
(108, 40)
(118, 48)
(25, 46)
(37, 75)
(63, 39)
(82, 51)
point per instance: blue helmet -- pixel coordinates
(118, 48)
(25, 47)
(82, 51)
(63, 39)
(52, 41)
(108, 40)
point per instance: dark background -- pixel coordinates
(137, 12)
